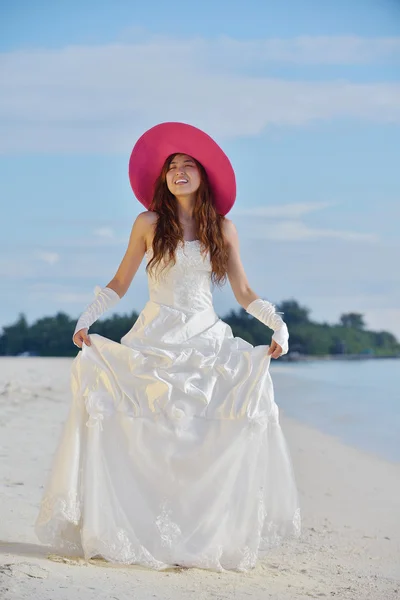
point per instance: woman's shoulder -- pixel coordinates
(229, 230)
(144, 226)
(145, 222)
(147, 217)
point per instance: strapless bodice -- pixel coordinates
(186, 285)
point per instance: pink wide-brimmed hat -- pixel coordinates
(155, 145)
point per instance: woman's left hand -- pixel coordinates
(275, 350)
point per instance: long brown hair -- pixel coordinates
(169, 232)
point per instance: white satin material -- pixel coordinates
(172, 452)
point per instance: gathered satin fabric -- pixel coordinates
(172, 452)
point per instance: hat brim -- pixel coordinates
(155, 145)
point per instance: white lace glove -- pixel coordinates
(265, 312)
(105, 299)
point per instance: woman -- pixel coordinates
(172, 453)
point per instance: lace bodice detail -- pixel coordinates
(185, 285)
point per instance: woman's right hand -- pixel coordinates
(80, 337)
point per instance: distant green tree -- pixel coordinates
(294, 314)
(383, 340)
(51, 336)
(354, 320)
(15, 338)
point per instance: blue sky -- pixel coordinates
(304, 97)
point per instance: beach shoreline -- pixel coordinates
(350, 502)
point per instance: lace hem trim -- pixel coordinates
(59, 524)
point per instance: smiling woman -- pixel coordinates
(184, 204)
(183, 170)
(173, 453)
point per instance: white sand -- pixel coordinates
(349, 549)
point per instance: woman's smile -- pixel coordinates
(183, 172)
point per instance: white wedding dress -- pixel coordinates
(172, 452)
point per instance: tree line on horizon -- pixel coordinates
(52, 336)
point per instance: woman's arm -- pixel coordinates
(236, 273)
(261, 309)
(141, 234)
(112, 293)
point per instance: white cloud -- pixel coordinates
(316, 50)
(100, 98)
(70, 298)
(58, 293)
(50, 258)
(290, 211)
(104, 232)
(298, 231)
(283, 223)
(301, 50)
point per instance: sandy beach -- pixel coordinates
(349, 548)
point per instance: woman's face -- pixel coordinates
(183, 176)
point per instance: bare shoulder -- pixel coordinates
(142, 230)
(144, 225)
(147, 218)
(145, 222)
(230, 232)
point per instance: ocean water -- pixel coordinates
(356, 400)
